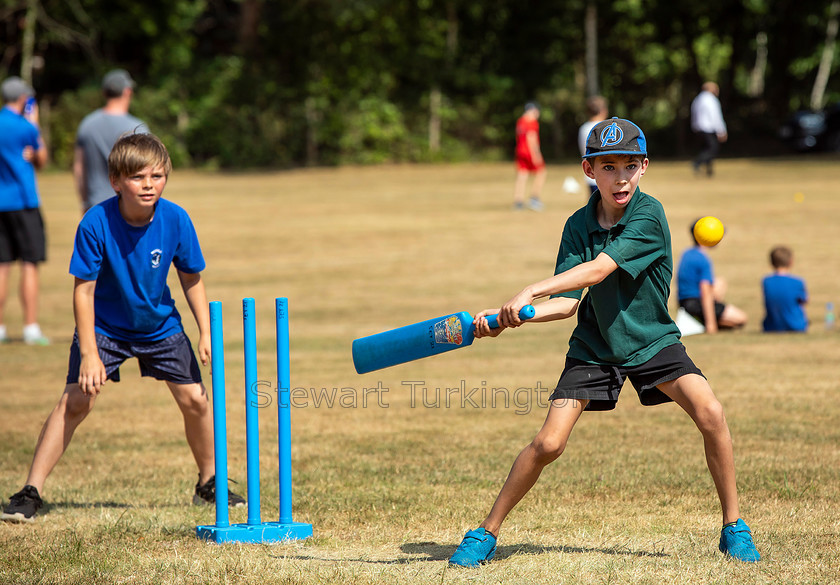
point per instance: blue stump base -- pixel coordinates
(273, 532)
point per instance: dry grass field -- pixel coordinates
(393, 467)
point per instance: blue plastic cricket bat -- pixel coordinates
(423, 339)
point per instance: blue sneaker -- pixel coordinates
(736, 541)
(478, 547)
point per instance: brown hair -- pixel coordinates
(595, 104)
(136, 151)
(781, 257)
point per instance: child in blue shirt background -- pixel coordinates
(123, 308)
(701, 294)
(784, 295)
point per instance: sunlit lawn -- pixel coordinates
(391, 468)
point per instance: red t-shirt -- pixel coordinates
(524, 125)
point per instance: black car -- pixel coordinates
(808, 130)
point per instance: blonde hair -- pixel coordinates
(136, 151)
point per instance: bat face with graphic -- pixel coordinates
(419, 340)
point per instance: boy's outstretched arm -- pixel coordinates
(578, 277)
(91, 370)
(196, 296)
(551, 310)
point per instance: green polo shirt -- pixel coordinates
(623, 320)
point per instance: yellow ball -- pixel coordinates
(708, 231)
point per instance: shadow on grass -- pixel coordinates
(432, 551)
(67, 505)
(442, 552)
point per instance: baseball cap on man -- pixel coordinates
(13, 88)
(615, 136)
(117, 81)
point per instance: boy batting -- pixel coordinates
(619, 248)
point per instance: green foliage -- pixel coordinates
(332, 82)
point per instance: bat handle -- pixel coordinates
(525, 313)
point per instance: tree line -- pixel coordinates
(270, 83)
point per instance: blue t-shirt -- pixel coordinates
(695, 267)
(17, 176)
(784, 296)
(130, 265)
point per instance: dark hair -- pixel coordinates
(781, 257)
(691, 230)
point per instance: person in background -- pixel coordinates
(529, 159)
(596, 109)
(707, 122)
(785, 295)
(22, 234)
(701, 294)
(97, 134)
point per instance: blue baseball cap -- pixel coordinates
(615, 136)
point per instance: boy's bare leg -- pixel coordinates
(732, 317)
(72, 408)
(5, 269)
(539, 182)
(198, 425)
(693, 393)
(545, 448)
(520, 185)
(29, 285)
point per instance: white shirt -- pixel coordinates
(706, 115)
(583, 134)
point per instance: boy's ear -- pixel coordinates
(587, 168)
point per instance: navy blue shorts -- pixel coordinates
(171, 359)
(22, 236)
(601, 384)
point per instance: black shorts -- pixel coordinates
(601, 384)
(22, 236)
(171, 359)
(694, 308)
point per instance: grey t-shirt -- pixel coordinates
(96, 137)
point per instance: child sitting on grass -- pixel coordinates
(784, 295)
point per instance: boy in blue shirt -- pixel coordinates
(701, 294)
(619, 247)
(123, 308)
(784, 295)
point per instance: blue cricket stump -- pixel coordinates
(285, 529)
